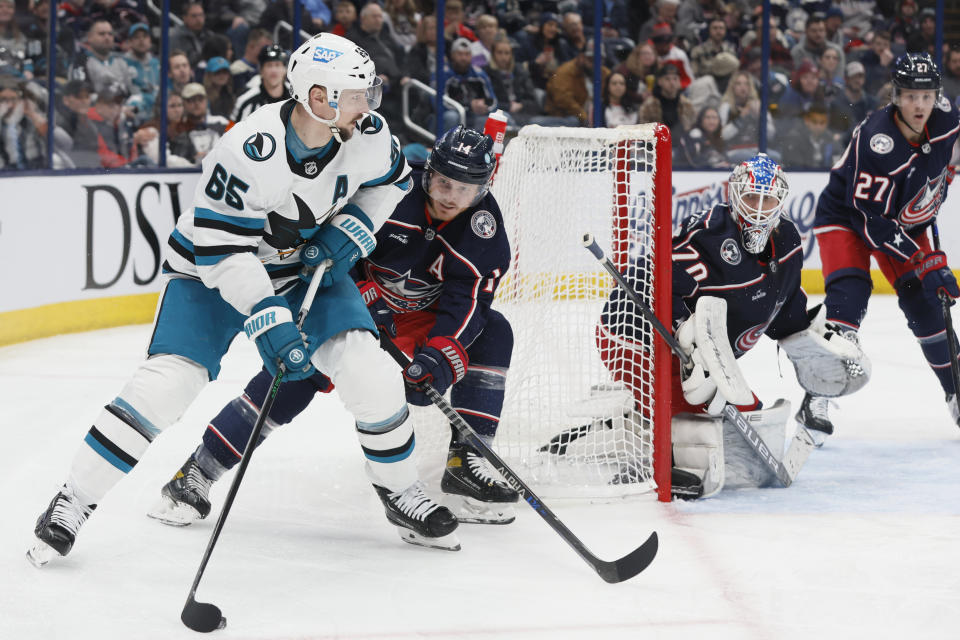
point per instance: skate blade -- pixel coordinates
(476, 512)
(174, 514)
(449, 542)
(41, 553)
(818, 437)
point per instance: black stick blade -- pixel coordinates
(630, 564)
(202, 616)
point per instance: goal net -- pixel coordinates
(584, 414)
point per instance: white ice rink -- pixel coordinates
(865, 545)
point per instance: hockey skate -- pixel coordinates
(57, 527)
(185, 499)
(484, 497)
(420, 520)
(953, 408)
(813, 417)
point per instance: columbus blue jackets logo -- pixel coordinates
(881, 143)
(483, 224)
(925, 204)
(403, 291)
(730, 252)
(259, 146)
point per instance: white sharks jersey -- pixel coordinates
(256, 205)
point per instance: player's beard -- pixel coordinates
(347, 132)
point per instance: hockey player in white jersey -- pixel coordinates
(322, 166)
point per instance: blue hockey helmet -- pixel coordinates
(916, 71)
(758, 192)
(464, 156)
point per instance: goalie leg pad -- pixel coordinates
(698, 449)
(743, 468)
(826, 363)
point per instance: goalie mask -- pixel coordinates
(459, 169)
(339, 66)
(758, 191)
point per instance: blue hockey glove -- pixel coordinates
(271, 326)
(935, 275)
(440, 362)
(346, 238)
(379, 311)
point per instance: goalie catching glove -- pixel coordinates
(278, 340)
(346, 238)
(440, 363)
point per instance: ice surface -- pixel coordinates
(863, 545)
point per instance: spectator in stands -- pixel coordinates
(670, 53)
(614, 14)
(851, 106)
(140, 58)
(571, 26)
(101, 64)
(666, 104)
(272, 86)
(11, 38)
(707, 149)
(469, 86)
(216, 80)
(192, 34)
(814, 43)
(708, 89)
(804, 89)
(246, 68)
(951, 74)
(282, 11)
(780, 47)
(72, 117)
(121, 14)
(904, 25)
(34, 26)
(402, 17)
(665, 12)
(832, 23)
(204, 128)
(180, 72)
(512, 85)
(716, 42)
(180, 151)
(370, 33)
(639, 69)
(739, 113)
(570, 90)
(344, 15)
(543, 52)
(924, 39)
(115, 147)
(234, 18)
(693, 16)
(482, 48)
(877, 62)
(618, 107)
(809, 146)
(421, 60)
(831, 74)
(454, 26)
(22, 128)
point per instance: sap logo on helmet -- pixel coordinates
(322, 54)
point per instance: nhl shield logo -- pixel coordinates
(730, 252)
(483, 224)
(429, 234)
(310, 168)
(881, 143)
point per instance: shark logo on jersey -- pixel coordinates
(259, 147)
(403, 291)
(925, 204)
(322, 54)
(483, 224)
(730, 252)
(881, 143)
(371, 124)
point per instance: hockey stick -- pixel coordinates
(203, 616)
(948, 321)
(613, 572)
(802, 443)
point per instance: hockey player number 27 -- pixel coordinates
(220, 185)
(865, 181)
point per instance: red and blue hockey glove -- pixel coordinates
(346, 238)
(278, 340)
(935, 275)
(440, 363)
(379, 311)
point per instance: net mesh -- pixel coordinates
(572, 425)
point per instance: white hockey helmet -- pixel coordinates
(758, 192)
(336, 64)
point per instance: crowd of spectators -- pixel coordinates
(694, 65)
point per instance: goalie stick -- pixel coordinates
(203, 616)
(612, 572)
(948, 321)
(802, 443)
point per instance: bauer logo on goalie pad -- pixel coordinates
(730, 252)
(483, 224)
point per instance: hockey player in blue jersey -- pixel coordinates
(882, 198)
(322, 168)
(429, 285)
